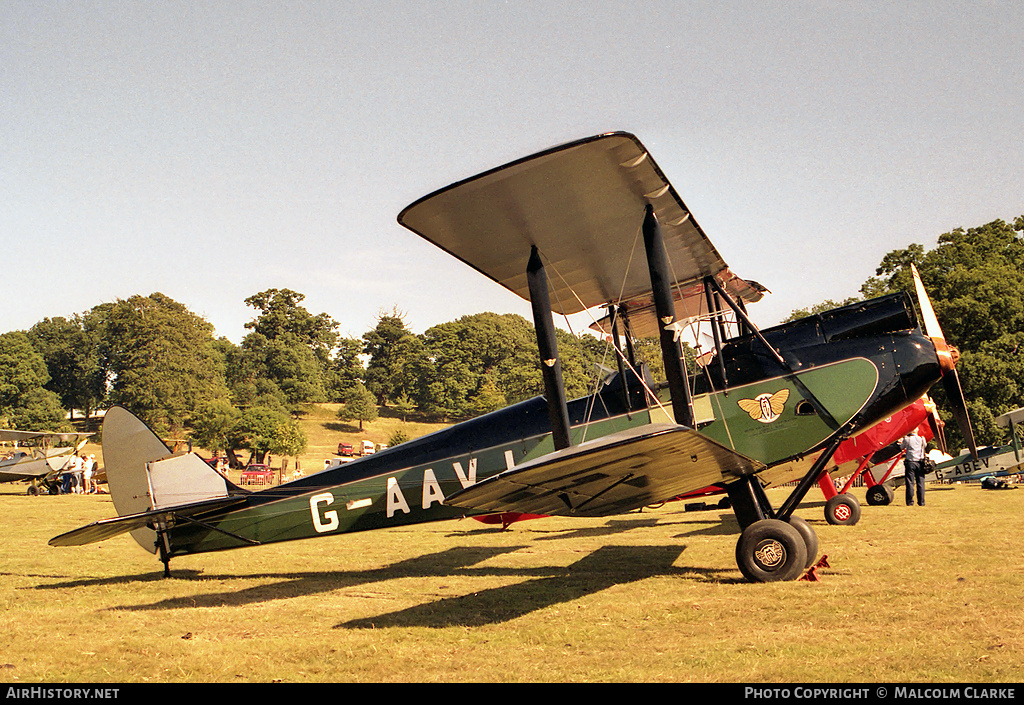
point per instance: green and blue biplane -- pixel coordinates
(593, 225)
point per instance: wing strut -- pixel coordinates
(620, 363)
(717, 330)
(661, 287)
(547, 344)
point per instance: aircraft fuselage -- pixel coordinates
(851, 368)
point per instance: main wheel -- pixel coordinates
(809, 536)
(879, 496)
(771, 550)
(842, 510)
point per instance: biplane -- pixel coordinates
(595, 226)
(40, 464)
(999, 461)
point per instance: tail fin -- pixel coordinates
(148, 483)
(128, 444)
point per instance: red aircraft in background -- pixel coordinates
(841, 507)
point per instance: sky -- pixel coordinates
(212, 150)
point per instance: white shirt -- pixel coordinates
(914, 447)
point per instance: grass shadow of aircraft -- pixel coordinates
(541, 586)
(604, 568)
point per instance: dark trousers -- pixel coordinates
(914, 477)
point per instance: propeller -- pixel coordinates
(948, 357)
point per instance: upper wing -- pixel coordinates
(582, 206)
(22, 436)
(610, 475)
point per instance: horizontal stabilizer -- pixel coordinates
(610, 475)
(109, 528)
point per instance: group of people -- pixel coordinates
(78, 476)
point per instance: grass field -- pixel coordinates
(911, 595)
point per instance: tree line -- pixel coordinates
(153, 356)
(164, 363)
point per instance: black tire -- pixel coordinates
(32, 491)
(879, 496)
(842, 510)
(771, 550)
(810, 538)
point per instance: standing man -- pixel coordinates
(88, 469)
(913, 465)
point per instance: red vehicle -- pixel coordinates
(346, 450)
(257, 474)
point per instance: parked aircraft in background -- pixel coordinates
(856, 456)
(40, 464)
(591, 225)
(990, 462)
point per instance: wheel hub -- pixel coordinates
(770, 554)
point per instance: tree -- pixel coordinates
(485, 361)
(397, 437)
(268, 428)
(462, 367)
(288, 345)
(280, 314)
(40, 410)
(403, 406)
(24, 401)
(390, 345)
(345, 368)
(291, 365)
(213, 425)
(161, 359)
(359, 405)
(72, 350)
(22, 369)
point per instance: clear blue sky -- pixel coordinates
(211, 150)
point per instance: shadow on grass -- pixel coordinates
(341, 427)
(604, 568)
(540, 586)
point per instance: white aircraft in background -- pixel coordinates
(39, 466)
(992, 461)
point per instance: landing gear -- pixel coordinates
(809, 536)
(842, 510)
(770, 550)
(776, 545)
(879, 495)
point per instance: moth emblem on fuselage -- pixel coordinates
(765, 407)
